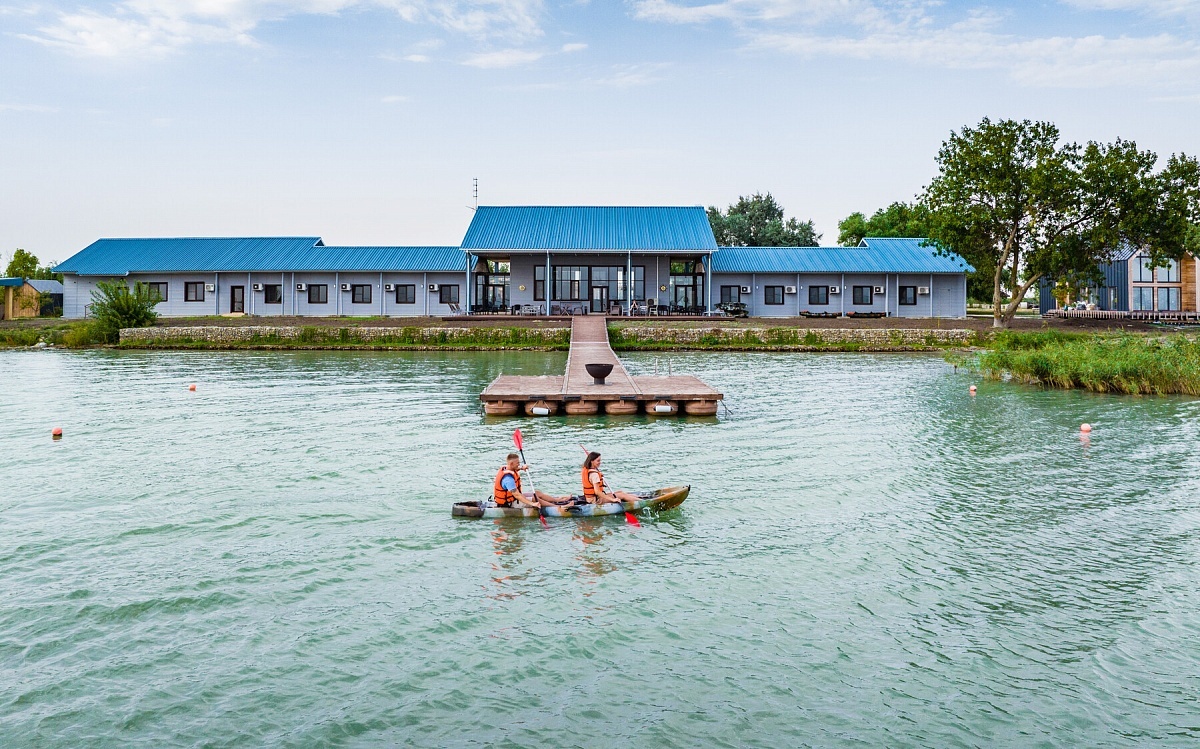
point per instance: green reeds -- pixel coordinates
(1104, 364)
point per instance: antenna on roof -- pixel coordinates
(475, 186)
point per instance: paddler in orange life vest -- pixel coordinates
(507, 492)
(595, 490)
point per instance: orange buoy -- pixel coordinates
(1085, 428)
(192, 388)
(56, 433)
(972, 390)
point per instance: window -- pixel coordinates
(360, 293)
(1142, 273)
(272, 293)
(1143, 298)
(569, 282)
(772, 295)
(863, 295)
(818, 295)
(448, 293)
(1169, 273)
(193, 291)
(908, 295)
(1168, 299)
(406, 293)
(731, 294)
(1114, 298)
(159, 289)
(318, 293)
(539, 283)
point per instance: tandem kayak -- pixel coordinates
(659, 499)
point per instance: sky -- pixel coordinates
(365, 121)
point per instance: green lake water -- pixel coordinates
(869, 557)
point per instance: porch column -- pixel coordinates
(842, 296)
(470, 262)
(628, 280)
(708, 284)
(546, 285)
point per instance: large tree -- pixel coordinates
(758, 221)
(1011, 197)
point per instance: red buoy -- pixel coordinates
(56, 433)
(972, 390)
(192, 388)
(1085, 428)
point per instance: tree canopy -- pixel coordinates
(758, 221)
(22, 265)
(25, 265)
(1011, 197)
(897, 220)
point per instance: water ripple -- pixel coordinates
(870, 556)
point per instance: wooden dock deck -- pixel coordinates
(576, 393)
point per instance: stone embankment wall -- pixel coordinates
(350, 337)
(622, 339)
(789, 339)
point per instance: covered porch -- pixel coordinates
(565, 283)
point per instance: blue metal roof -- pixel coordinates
(118, 257)
(436, 258)
(12, 282)
(590, 228)
(872, 256)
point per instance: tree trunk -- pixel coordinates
(998, 320)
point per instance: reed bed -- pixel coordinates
(1130, 364)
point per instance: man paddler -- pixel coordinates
(507, 491)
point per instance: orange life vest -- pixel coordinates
(590, 489)
(503, 496)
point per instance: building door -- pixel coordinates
(600, 299)
(237, 298)
(685, 296)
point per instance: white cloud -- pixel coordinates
(38, 108)
(1148, 7)
(416, 58)
(154, 27)
(504, 58)
(628, 76)
(573, 47)
(917, 32)
(394, 99)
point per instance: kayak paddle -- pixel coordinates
(519, 441)
(629, 516)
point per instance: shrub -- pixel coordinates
(115, 306)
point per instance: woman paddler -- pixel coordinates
(595, 490)
(507, 492)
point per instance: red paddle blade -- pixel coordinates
(632, 519)
(543, 519)
(518, 441)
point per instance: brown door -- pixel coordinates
(237, 298)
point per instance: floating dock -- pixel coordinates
(576, 393)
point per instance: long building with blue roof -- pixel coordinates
(541, 259)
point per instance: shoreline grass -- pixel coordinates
(1127, 364)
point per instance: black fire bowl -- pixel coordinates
(598, 372)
